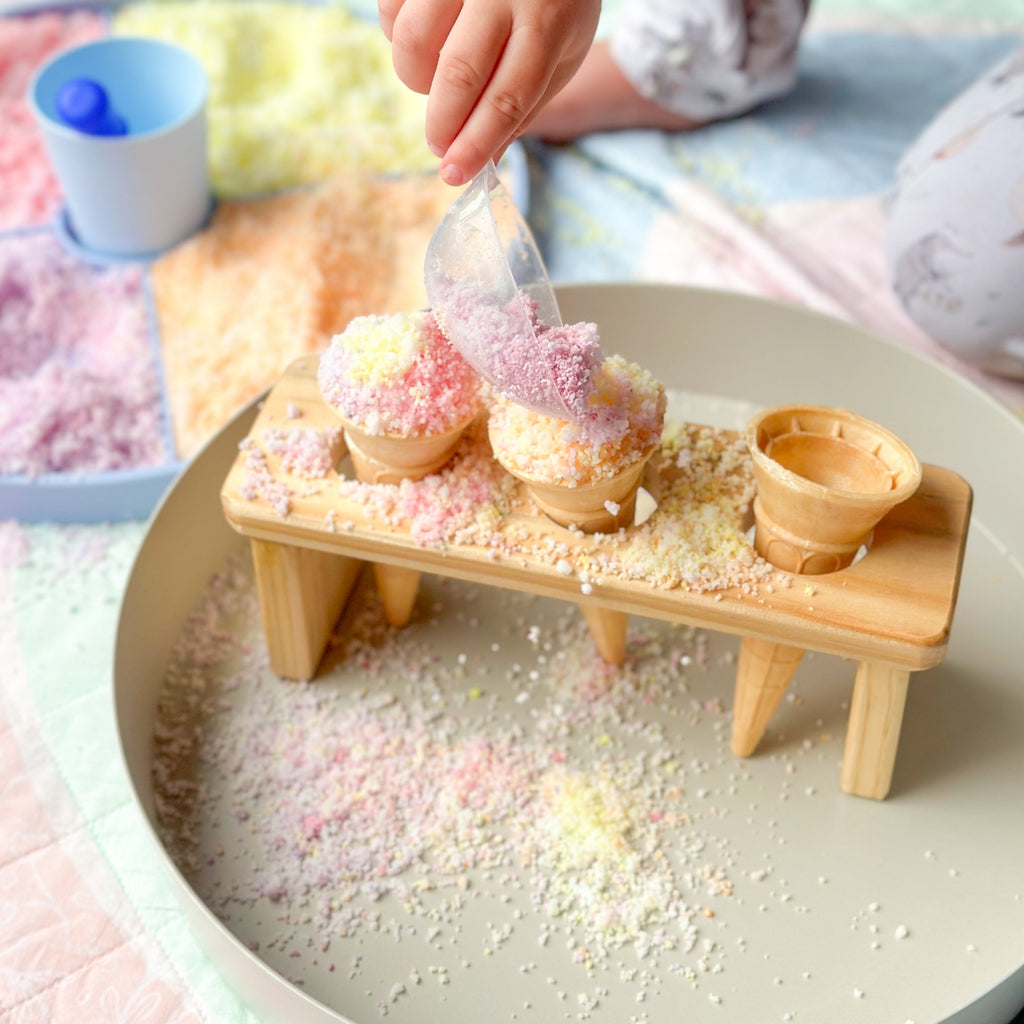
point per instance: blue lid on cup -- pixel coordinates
(82, 104)
(131, 195)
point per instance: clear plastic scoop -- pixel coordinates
(490, 291)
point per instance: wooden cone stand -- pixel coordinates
(890, 611)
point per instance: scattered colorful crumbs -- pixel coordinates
(410, 793)
(304, 451)
(470, 809)
(696, 539)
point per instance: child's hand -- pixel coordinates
(486, 66)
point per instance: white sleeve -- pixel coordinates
(709, 59)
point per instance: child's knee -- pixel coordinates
(955, 244)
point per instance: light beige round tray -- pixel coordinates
(842, 910)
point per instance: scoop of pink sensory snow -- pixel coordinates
(491, 296)
(549, 369)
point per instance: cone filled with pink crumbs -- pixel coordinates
(586, 474)
(403, 394)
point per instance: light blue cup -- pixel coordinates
(134, 195)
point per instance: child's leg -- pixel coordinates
(956, 224)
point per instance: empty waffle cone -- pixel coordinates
(604, 506)
(824, 477)
(390, 458)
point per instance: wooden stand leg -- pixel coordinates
(397, 587)
(302, 593)
(608, 628)
(763, 673)
(873, 733)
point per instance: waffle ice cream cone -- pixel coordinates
(585, 475)
(603, 506)
(391, 458)
(824, 477)
(402, 393)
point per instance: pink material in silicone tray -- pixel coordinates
(84, 434)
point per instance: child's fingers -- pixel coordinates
(418, 32)
(387, 11)
(467, 62)
(517, 86)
